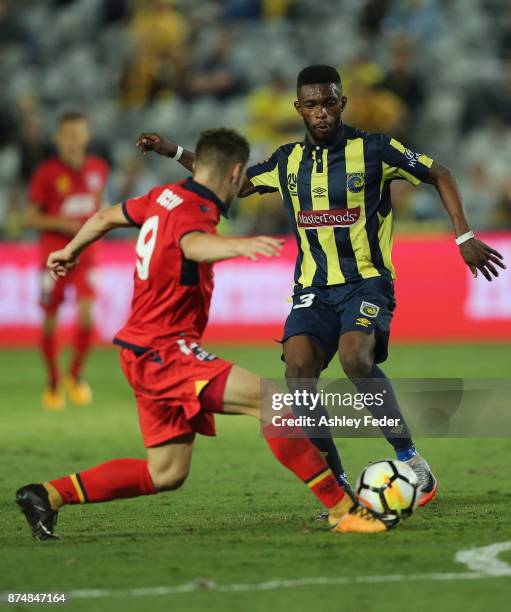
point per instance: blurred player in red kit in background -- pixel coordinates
(64, 192)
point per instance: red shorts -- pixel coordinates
(177, 388)
(53, 292)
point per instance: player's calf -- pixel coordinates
(169, 463)
(168, 481)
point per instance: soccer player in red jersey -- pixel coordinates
(65, 191)
(177, 384)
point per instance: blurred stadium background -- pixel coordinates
(433, 73)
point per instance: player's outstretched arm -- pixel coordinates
(151, 141)
(208, 248)
(476, 254)
(61, 261)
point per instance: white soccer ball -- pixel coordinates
(389, 488)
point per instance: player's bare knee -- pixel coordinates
(253, 395)
(356, 365)
(252, 400)
(85, 315)
(301, 368)
(85, 320)
(255, 404)
(49, 323)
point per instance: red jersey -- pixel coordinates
(62, 191)
(172, 294)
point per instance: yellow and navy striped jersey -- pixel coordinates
(338, 201)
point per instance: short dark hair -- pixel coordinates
(221, 147)
(318, 73)
(73, 115)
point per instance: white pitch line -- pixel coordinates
(271, 585)
(483, 561)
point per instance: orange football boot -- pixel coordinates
(79, 391)
(53, 399)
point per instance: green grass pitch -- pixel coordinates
(241, 517)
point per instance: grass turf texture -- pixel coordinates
(242, 518)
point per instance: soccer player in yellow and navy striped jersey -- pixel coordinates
(335, 185)
(337, 196)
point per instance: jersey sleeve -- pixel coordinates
(193, 217)
(402, 163)
(134, 209)
(38, 188)
(265, 176)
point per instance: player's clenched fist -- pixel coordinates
(260, 245)
(60, 262)
(150, 141)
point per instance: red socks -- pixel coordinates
(130, 477)
(49, 351)
(82, 344)
(296, 452)
(111, 480)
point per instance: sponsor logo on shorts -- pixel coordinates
(201, 354)
(355, 181)
(369, 310)
(334, 217)
(197, 350)
(363, 322)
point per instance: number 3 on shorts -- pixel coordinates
(305, 300)
(145, 246)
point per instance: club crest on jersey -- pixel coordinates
(333, 217)
(63, 183)
(369, 310)
(292, 182)
(355, 181)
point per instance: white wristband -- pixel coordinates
(464, 237)
(178, 154)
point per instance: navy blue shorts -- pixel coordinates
(325, 313)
